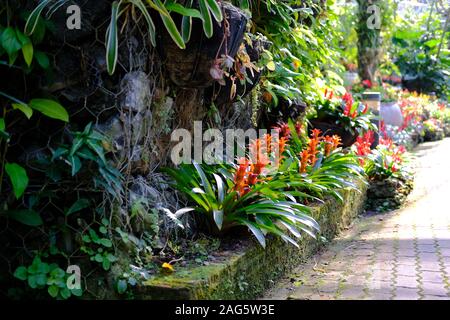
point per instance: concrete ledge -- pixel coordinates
(247, 272)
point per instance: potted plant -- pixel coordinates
(341, 116)
(245, 74)
(390, 111)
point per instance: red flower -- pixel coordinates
(367, 83)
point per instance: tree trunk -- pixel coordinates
(369, 40)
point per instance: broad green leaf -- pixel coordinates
(18, 177)
(53, 291)
(10, 43)
(75, 162)
(26, 110)
(187, 12)
(3, 133)
(42, 59)
(256, 232)
(186, 28)
(79, 205)
(27, 217)
(50, 108)
(27, 47)
(21, 273)
(27, 52)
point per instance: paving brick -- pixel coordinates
(431, 276)
(406, 294)
(428, 248)
(409, 261)
(434, 289)
(429, 297)
(407, 270)
(353, 292)
(406, 253)
(429, 266)
(408, 282)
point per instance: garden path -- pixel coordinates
(403, 254)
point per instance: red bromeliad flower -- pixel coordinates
(363, 145)
(367, 83)
(298, 128)
(283, 130)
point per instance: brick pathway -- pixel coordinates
(404, 254)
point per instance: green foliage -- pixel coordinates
(262, 210)
(87, 145)
(98, 246)
(207, 8)
(386, 161)
(301, 46)
(275, 201)
(350, 115)
(421, 55)
(41, 275)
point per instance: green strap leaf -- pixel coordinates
(170, 25)
(206, 17)
(112, 40)
(151, 26)
(215, 9)
(33, 19)
(27, 217)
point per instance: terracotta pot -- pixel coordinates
(190, 67)
(329, 127)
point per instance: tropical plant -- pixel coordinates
(263, 208)
(345, 111)
(421, 55)
(387, 160)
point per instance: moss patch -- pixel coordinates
(246, 272)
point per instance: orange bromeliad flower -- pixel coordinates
(304, 158)
(313, 143)
(337, 141)
(240, 181)
(331, 143)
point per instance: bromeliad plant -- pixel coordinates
(241, 197)
(387, 160)
(267, 190)
(345, 112)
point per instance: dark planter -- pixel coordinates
(190, 67)
(329, 128)
(221, 95)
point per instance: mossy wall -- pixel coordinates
(246, 273)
